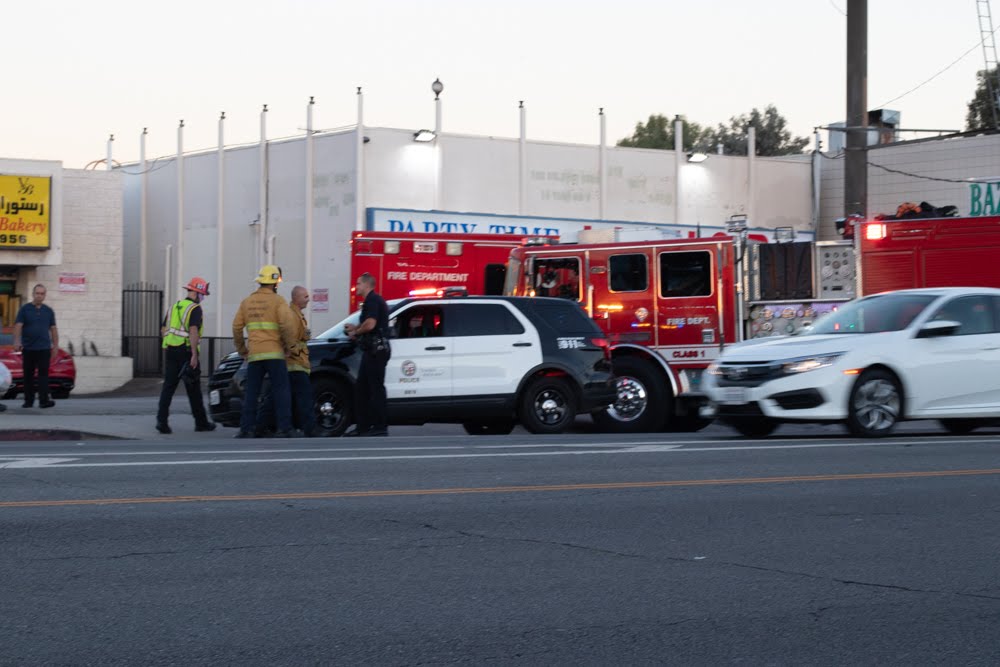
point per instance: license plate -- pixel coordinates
(734, 396)
(214, 398)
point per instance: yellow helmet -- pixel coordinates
(269, 275)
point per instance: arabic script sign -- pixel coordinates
(25, 212)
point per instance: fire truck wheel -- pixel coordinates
(960, 426)
(875, 405)
(334, 406)
(753, 428)
(644, 402)
(490, 427)
(548, 405)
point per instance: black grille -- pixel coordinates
(801, 399)
(740, 410)
(748, 374)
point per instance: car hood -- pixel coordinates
(789, 347)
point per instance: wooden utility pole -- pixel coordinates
(856, 156)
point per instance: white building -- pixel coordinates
(296, 201)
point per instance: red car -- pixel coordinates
(62, 370)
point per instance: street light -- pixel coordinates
(437, 87)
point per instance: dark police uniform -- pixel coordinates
(371, 405)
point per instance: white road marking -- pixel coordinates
(35, 462)
(560, 449)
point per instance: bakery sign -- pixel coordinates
(25, 212)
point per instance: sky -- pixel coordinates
(78, 71)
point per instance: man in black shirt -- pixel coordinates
(35, 337)
(372, 335)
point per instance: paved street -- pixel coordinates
(431, 547)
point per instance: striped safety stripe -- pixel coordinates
(261, 356)
(257, 326)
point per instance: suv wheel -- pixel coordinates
(875, 405)
(490, 427)
(548, 405)
(334, 406)
(643, 403)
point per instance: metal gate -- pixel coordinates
(142, 314)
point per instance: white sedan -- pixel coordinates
(913, 354)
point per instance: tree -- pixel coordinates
(980, 115)
(658, 132)
(773, 137)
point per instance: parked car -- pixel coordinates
(62, 370)
(910, 354)
(484, 362)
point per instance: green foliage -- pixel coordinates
(980, 111)
(658, 132)
(773, 136)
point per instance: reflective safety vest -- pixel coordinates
(177, 332)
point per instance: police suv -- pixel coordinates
(484, 362)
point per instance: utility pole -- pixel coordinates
(856, 155)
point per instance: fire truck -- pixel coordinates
(670, 306)
(411, 264)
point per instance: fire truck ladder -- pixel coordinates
(992, 75)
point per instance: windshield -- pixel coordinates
(337, 330)
(874, 314)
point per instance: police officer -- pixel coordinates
(372, 335)
(270, 334)
(181, 337)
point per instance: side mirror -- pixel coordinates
(938, 328)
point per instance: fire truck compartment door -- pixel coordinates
(421, 363)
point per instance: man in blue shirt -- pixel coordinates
(35, 336)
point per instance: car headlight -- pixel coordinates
(713, 368)
(806, 364)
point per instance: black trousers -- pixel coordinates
(36, 361)
(370, 400)
(174, 360)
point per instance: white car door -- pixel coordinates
(495, 346)
(958, 373)
(420, 366)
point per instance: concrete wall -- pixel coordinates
(937, 171)
(454, 173)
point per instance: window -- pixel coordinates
(418, 322)
(684, 274)
(558, 277)
(564, 318)
(974, 313)
(628, 273)
(482, 319)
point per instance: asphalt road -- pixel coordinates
(574, 549)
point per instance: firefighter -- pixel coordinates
(181, 337)
(270, 335)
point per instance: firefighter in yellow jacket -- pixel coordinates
(271, 333)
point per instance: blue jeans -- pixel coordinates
(277, 371)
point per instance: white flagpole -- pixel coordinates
(309, 200)
(175, 289)
(143, 229)
(522, 162)
(220, 219)
(359, 166)
(262, 219)
(602, 167)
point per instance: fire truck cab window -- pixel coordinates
(974, 313)
(418, 322)
(483, 319)
(628, 273)
(558, 277)
(685, 274)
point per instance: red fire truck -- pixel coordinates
(409, 264)
(669, 306)
(937, 252)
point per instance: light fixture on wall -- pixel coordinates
(423, 136)
(697, 157)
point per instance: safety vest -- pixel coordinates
(178, 327)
